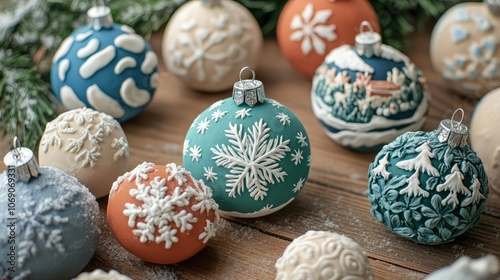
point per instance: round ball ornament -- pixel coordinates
(308, 30)
(429, 187)
(365, 96)
(88, 145)
(105, 66)
(161, 214)
(485, 134)
(51, 221)
(464, 47)
(323, 255)
(252, 151)
(206, 40)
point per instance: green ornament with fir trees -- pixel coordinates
(429, 187)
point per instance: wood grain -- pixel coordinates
(333, 198)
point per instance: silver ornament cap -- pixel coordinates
(493, 6)
(99, 17)
(23, 161)
(368, 42)
(453, 132)
(249, 92)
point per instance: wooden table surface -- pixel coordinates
(333, 198)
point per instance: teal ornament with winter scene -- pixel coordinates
(105, 66)
(252, 151)
(429, 187)
(367, 95)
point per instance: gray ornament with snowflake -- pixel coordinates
(426, 188)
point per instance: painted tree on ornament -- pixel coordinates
(421, 163)
(453, 184)
(381, 169)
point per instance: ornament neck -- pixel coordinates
(99, 17)
(22, 161)
(368, 42)
(212, 3)
(453, 132)
(493, 6)
(250, 92)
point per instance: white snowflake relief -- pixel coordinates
(88, 157)
(243, 113)
(203, 126)
(217, 115)
(284, 118)
(209, 174)
(298, 186)
(275, 103)
(297, 156)
(309, 160)
(216, 104)
(121, 147)
(138, 174)
(203, 196)
(185, 147)
(162, 219)
(208, 231)
(309, 28)
(253, 159)
(302, 139)
(195, 153)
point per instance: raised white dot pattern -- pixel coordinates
(133, 96)
(130, 42)
(124, 63)
(97, 61)
(104, 103)
(63, 69)
(89, 49)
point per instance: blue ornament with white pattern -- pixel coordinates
(105, 66)
(252, 151)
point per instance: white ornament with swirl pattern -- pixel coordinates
(323, 255)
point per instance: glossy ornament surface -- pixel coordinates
(308, 30)
(51, 221)
(429, 187)
(323, 255)
(161, 214)
(105, 66)
(464, 48)
(365, 96)
(206, 41)
(88, 145)
(485, 134)
(255, 156)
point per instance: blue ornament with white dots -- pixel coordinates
(105, 66)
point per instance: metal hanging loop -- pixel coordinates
(99, 17)
(22, 161)
(248, 92)
(453, 132)
(368, 42)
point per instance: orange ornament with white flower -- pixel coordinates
(308, 30)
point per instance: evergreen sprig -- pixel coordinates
(31, 30)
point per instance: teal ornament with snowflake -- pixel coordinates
(252, 151)
(105, 66)
(429, 187)
(366, 96)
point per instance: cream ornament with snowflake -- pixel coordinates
(308, 30)
(88, 145)
(161, 214)
(206, 41)
(465, 48)
(254, 157)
